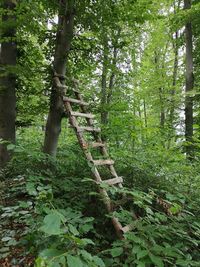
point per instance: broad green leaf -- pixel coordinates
(50, 253)
(141, 264)
(99, 262)
(74, 261)
(156, 260)
(87, 241)
(134, 238)
(142, 254)
(30, 187)
(115, 252)
(10, 147)
(6, 238)
(73, 229)
(54, 264)
(52, 224)
(86, 255)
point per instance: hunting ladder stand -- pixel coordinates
(86, 146)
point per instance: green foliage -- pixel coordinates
(50, 208)
(165, 224)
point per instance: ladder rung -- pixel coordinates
(100, 162)
(79, 114)
(89, 129)
(76, 101)
(97, 144)
(62, 86)
(113, 181)
(127, 228)
(76, 91)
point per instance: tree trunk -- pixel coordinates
(174, 78)
(104, 82)
(63, 42)
(145, 113)
(189, 86)
(162, 110)
(112, 78)
(8, 54)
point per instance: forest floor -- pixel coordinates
(13, 226)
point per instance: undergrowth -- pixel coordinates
(53, 216)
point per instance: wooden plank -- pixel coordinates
(127, 228)
(72, 100)
(97, 144)
(76, 91)
(100, 162)
(88, 129)
(62, 86)
(113, 181)
(84, 115)
(86, 145)
(118, 227)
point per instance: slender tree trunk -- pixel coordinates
(63, 43)
(162, 109)
(145, 113)
(141, 124)
(8, 54)
(112, 80)
(175, 71)
(189, 86)
(174, 79)
(104, 83)
(160, 93)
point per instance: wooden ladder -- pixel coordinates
(87, 146)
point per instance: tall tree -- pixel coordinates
(189, 86)
(8, 55)
(63, 43)
(104, 81)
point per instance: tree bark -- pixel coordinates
(63, 42)
(145, 113)
(160, 93)
(112, 78)
(104, 82)
(174, 79)
(8, 55)
(189, 86)
(162, 110)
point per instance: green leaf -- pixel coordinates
(6, 238)
(52, 224)
(53, 264)
(115, 252)
(50, 253)
(39, 262)
(175, 208)
(134, 238)
(87, 241)
(30, 187)
(10, 147)
(142, 254)
(74, 261)
(141, 264)
(86, 255)
(98, 261)
(156, 260)
(73, 229)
